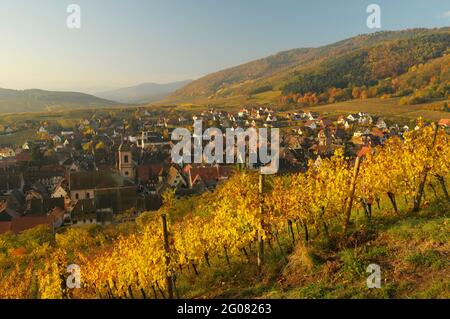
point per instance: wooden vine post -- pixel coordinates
(348, 206)
(420, 191)
(169, 282)
(260, 231)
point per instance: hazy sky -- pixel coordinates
(126, 42)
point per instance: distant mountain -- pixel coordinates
(143, 93)
(39, 100)
(363, 61)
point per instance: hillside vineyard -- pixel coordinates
(140, 265)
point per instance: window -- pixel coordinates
(127, 173)
(77, 196)
(125, 158)
(88, 195)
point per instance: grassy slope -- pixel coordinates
(40, 100)
(412, 250)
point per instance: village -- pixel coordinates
(107, 169)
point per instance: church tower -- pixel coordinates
(126, 166)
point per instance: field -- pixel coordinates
(67, 119)
(17, 139)
(388, 108)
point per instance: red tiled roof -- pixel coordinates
(364, 151)
(23, 157)
(186, 169)
(20, 224)
(145, 171)
(209, 174)
(225, 171)
(444, 122)
(377, 132)
(5, 227)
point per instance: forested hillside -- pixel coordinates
(374, 65)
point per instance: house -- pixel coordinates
(67, 134)
(18, 224)
(444, 122)
(208, 176)
(271, 118)
(85, 213)
(49, 175)
(26, 146)
(23, 157)
(353, 117)
(365, 120)
(61, 192)
(346, 125)
(175, 179)
(42, 130)
(150, 175)
(66, 143)
(324, 138)
(7, 152)
(311, 124)
(108, 188)
(162, 122)
(293, 142)
(309, 115)
(298, 116)
(341, 120)
(325, 123)
(381, 124)
(56, 139)
(10, 179)
(377, 132)
(149, 139)
(243, 113)
(7, 212)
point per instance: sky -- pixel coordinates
(127, 42)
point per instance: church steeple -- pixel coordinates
(126, 166)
